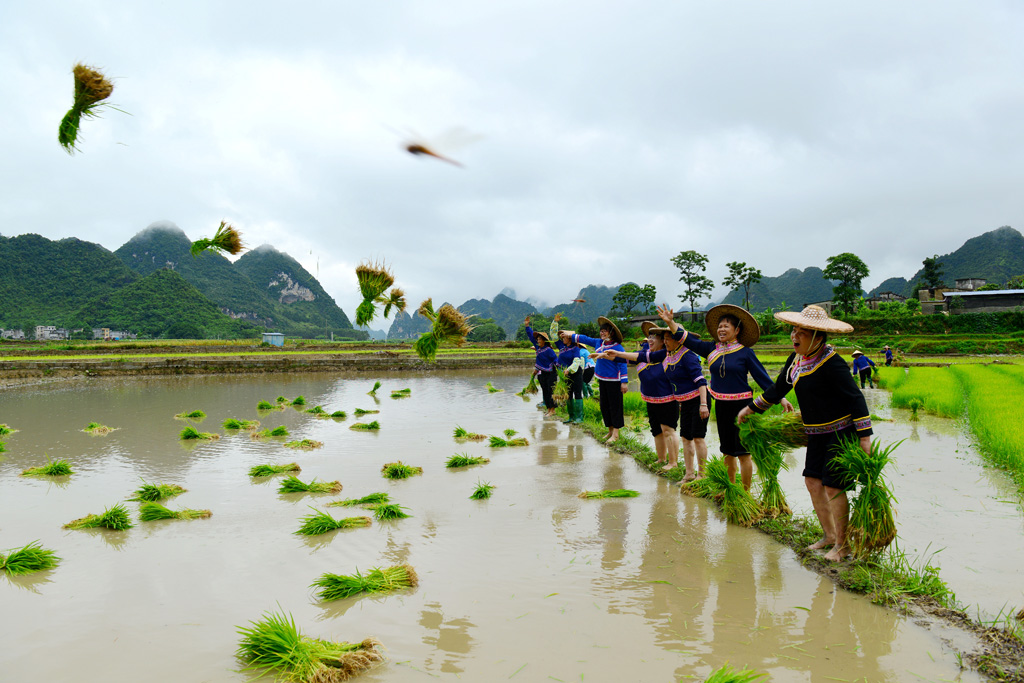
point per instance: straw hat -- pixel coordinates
(648, 327)
(857, 353)
(616, 335)
(749, 333)
(886, 346)
(813, 318)
(541, 337)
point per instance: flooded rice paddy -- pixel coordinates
(533, 584)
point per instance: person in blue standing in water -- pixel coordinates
(612, 375)
(543, 366)
(862, 366)
(888, 355)
(572, 364)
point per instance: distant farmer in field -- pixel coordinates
(888, 355)
(832, 409)
(862, 366)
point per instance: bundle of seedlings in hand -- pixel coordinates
(872, 524)
(366, 426)
(399, 470)
(227, 238)
(374, 279)
(150, 512)
(729, 675)
(759, 433)
(613, 493)
(737, 503)
(292, 484)
(491, 389)
(785, 429)
(461, 433)
(274, 643)
(707, 487)
(320, 523)
(373, 392)
(448, 325)
(267, 433)
(268, 470)
(401, 393)
(369, 499)
(299, 401)
(150, 493)
(54, 468)
(96, 428)
(531, 388)
(115, 518)
(304, 444)
(339, 415)
(27, 559)
(190, 433)
(192, 415)
(482, 491)
(560, 392)
(359, 412)
(267, 405)
(338, 586)
(91, 88)
(465, 460)
(389, 511)
(232, 423)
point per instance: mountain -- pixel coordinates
(794, 287)
(43, 282)
(595, 300)
(507, 313)
(996, 256)
(408, 324)
(897, 285)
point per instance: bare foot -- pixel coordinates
(689, 477)
(820, 544)
(667, 466)
(837, 554)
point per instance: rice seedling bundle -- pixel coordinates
(768, 437)
(115, 518)
(373, 279)
(91, 88)
(365, 426)
(267, 405)
(389, 511)
(232, 423)
(377, 580)
(299, 401)
(268, 433)
(191, 433)
(339, 415)
(465, 460)
(227, 238)
(461, 433)
(482, 491)
(399, 470)
(281, 399)
(368, 499)
(872, 524)
(2, 444)
(738, 505)
(560, 392)
(151, 512)
(532, 387)
(708, 487)
(915, 404)
(274, 643)
(729, 675)
(293, 484)
(5, 430)
(191, 415)
(150, 493)
(55, 468)
(97, 429)
(509, 433)
(997, 422)
(373, 392)
(491, 389)
(304, 444)
(320, 523)
(27, 559)
(612, 493)
(359, 412)
(448, 325)
(316, 410)
(401, 393)
(936, 390)
(498, 442)
(269, 470)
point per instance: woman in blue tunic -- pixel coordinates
(612, 374)
(543, 365)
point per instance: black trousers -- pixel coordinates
(547, 384)
(611, 404)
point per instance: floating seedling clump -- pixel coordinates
(389, 511)
(293, 484)
(281, 399)
(399, 470)
(227, 238)
(872, 522)
(150, 512)
(338, 586)
(91, 88)
(320, 523)
(369, 499)
(232, 423)
(465, 460)
(339, 414)
(461, 433)
(267, 405)
(299, 401)
(274, 643)
(190, 433)
(54, 468)
(738, 505)
(401, 393)
(304, 444)
(498, 442)
(191, 415)
(269, 470)
(482, 491)
(491, 389)
(359, 412)
(729, 675)
(268, 433)
(96, 429)
(5, 430)
(151, 493)
(612, 493)
(115, 518)
(366, 426)
(318, 411)
(27, 559)
(373, 392)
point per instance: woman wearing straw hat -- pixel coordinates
(612, 375)
(862, 367)
(543, 365)
(730, 361)
(832, 408)
(572, 364)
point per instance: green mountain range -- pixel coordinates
(794, 288)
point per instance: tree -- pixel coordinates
(742, 276)
(1015, 282)
(850, 271)
(632, 299)
(486, 330)
(691, 267)
(931, 277)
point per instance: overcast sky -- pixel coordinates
(611, 135)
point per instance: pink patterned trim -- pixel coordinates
(723, 349)
(731, 397)
(686, 397)
(657, 399)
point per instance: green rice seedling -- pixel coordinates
(275, 644)
(612, 493)
(401, 393)
(399, 470)
(359, 412)
(482, 491)
(374, 279)
(115, 518)
(268, 433)
(461, 433)
(368, 499)
(320, 523)
(389, 511)
(227, 238)
(738, 505)
(768, 437)
(339, 415)
(304, 444)
(191, 415)
(150, 512)
(729, 675)
(2, 444)
(491, 389)
(293, 484)
(498, 442)
(150, 493)
(281, 399)
(5, 430)
(264, 406)
(96, 429)
(465, 460)
(365, 426)
(509, 433)
(997, 423)
(232, 423)
(532, 387)
(872, 524)
(915, 404)
(448, 325)
(91, 88)
(269, 470)
(317, 410)
(27, 559)
(299, 401)
(377, 580)
(191, 433)
(376, 386)
(936, 389)
(54, 468)
(633, 404)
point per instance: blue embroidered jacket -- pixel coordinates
(682, 370)
(728, 366)
(606, 370)
(546, 356)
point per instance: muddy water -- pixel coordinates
(533, 584)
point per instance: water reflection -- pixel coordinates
(450, 638)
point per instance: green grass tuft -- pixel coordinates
(267, 405)
(339, 414)
(293, 484)
(268, 433)
(399, 470)
(55, 468)
(320, 523)
(498, 442)
(5, 430)
(465, 460)
(317, 410)
(338, 586)
(268, 470)
(281, 399)
(482, 491)
(27, 559)
(369, 499)
(115, 518)
(151, 493)
(492, 389)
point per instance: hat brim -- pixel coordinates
(797, 319)
(601, 321)
(650, 328)
(541, 337)
(857, 353)
(749, 332)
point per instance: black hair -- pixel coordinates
(732, 319)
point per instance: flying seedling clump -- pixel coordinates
(493, 389)
(27, 559)
(151, 493)
(227, 238)
(293, 484)
(373, 392)
(55, 468)
(268, 470)
(399, 470)
(338, 586)
(150, 512)
(320, 523)
(91, 88)
(115, 518)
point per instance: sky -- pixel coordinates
(597, 139)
